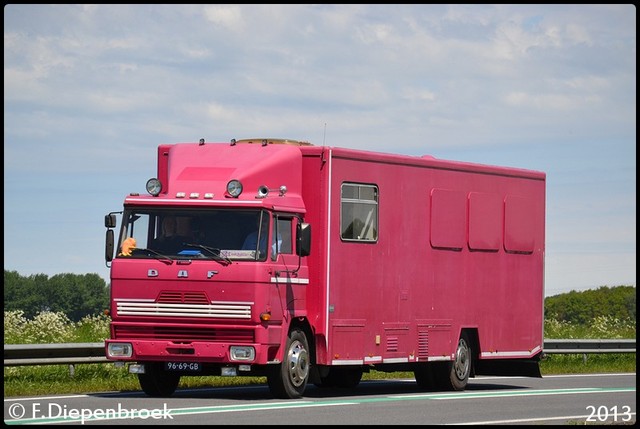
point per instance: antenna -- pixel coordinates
(325, 134)
(322, 158)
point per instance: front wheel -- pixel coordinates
(288, 380)
(157, 382)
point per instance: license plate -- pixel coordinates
(183, 366)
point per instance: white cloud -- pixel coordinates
(229, 17)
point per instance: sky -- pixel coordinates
(90, 91)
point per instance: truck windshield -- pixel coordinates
(228, 234)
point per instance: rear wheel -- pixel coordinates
(157, 382)
(456, 374)
(288, 380)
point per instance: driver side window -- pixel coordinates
(282, 229)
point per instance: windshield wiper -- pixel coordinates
(213, 251)
(160, 256)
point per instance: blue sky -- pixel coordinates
(91, 90)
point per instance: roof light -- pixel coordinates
(234, 188)
(154, 186)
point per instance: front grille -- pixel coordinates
(124, 332)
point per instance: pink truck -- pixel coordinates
(415, 264)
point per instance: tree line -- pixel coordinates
(579, 308)
(74, 295)
(78, 296)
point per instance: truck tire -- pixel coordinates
(157, 382)
(455, 375)
(288, 380)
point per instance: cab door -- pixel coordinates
(290, 269)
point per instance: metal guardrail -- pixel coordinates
(53, 354)
(589, 346)
(78, 353)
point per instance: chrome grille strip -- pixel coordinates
(228, 311)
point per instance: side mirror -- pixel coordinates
(303, 239)
(108, 248)
(110, 220)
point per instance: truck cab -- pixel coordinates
(208, 269)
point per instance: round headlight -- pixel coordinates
(234, 188)
(154, 186)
